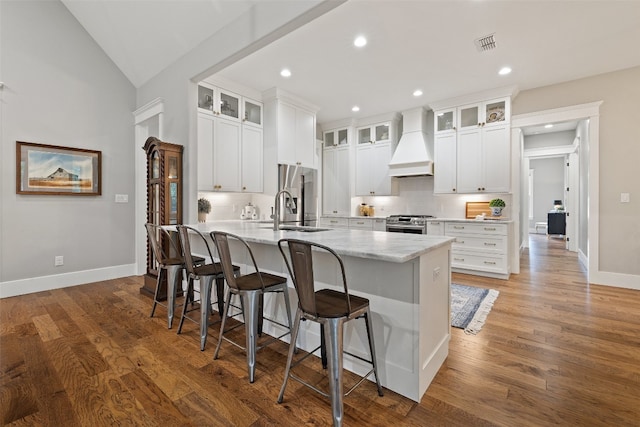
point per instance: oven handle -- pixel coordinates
(394, 228)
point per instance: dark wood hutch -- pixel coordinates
(164, 200)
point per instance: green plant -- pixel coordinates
(204, 206)
(497, 203)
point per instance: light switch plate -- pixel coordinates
(625, 197)
(122, 198)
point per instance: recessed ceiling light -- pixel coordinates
(360, 41)
(549, 126)
(504, 71)
(355, 109)
(417, 93)
(285, 72)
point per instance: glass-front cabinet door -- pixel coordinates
(445, 120)
(329, 139)
(469, 116)
(252, 112)
(364, 136)
(229, 105)
(335, 138)
(496, 112)
(382, 132)
(343, 136)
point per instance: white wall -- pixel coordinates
(61, 89)
(548, 185)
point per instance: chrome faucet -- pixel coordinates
(290, 204)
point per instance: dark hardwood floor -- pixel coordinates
(554, 351)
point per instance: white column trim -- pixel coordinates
(154, 108)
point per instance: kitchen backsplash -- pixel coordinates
(415, 196)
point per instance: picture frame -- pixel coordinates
(57, 171)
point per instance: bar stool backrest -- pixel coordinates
(301, 271)
(183, 233)
(156, 234)
(221, 240)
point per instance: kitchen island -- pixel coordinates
(405, 277)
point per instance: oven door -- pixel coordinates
(405, 228)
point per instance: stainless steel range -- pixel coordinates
(413, 224)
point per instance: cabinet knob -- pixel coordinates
(244, 188)
(454, 190)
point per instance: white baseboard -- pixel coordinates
(56, 281)
(620, 280)
(582, 257)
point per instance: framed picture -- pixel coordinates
(55, 170)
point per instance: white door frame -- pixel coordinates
(591, 112)
(148, 120)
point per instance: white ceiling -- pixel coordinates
(419, 44)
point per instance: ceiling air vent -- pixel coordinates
(485, 43)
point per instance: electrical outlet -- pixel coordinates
(436, 273)
(58, 261)
(625, 197)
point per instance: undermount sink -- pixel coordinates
(304, 229)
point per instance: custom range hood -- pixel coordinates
(412, 156)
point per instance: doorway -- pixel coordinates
(551, 158)
(587, 132)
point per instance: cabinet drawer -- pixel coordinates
(334, 222)
(379, 224)
(361, 223)
(474, 261)
(487, 244)
(435, 228)
(456, 228)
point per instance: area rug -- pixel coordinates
(470, 307)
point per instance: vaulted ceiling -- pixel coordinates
(419, 44)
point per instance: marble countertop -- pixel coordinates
(375, 245)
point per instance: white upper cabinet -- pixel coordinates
(374, 134)
(290, 129)
(230, 142)
(496, 112)
(336, 197)
(372, 170)
(228, 105)
(472, 147)
(445, 121)
(445, 163)
(336, 138)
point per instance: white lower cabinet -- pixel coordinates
(435, 228)
(359, 223)
(479, 248)
(334, 222)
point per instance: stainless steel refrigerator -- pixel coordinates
(302, 183)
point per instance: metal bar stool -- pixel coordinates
(171, 262)
(332, 309)
(251, 288)
(205, 274)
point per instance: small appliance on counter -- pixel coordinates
(249, 212)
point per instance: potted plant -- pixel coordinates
(204, 207)
(496, 206)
